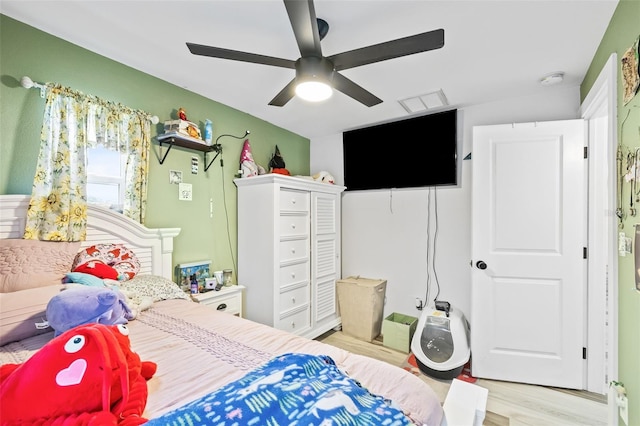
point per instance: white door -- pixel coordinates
(528, 253)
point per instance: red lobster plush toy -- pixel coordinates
(86, 376)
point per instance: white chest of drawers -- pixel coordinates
(289, 252)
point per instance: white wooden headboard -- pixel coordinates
(153, 247)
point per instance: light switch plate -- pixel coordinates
(185, 192)
(622, 244)
(194, 165)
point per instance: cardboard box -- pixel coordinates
(398, 330)
(360, 302)
(465, 404)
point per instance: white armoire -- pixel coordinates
(289, 252)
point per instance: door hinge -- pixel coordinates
(586, 154)
(584, 252)
(584, 353)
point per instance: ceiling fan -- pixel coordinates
(319, 73)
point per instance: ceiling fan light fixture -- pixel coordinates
(314, 91)
(313, 78)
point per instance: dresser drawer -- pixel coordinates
(295, 273)
(294, 225)
(294, 297)
(294, 200)
(294, 249)
(295, 321)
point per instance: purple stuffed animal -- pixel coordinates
(78, 305)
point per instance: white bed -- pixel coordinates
(198, 349)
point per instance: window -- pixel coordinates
(106, 177)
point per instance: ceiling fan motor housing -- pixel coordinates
(313, 68)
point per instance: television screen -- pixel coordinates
(411, 153)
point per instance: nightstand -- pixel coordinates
(227, 299)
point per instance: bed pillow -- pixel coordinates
(98, 269)
(20, 311)
(85, 279)
(154, 286)
(28, 264)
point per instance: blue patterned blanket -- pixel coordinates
(291, 389)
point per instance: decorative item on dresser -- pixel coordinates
(289, 252)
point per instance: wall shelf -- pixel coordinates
(173, 138)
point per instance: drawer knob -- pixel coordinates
(293, 324)
(222, 307)
(293, 226)
(293, 201)
(293, 251)
(293, 275)
(293, 299)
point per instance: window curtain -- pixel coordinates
(73, 122)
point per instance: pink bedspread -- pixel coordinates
(199, 349)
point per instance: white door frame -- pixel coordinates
(599, 109)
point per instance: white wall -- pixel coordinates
(384, 232)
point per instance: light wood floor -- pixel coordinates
(509, 404)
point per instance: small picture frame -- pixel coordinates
(175, 176)
(185, 191)
(186, 270)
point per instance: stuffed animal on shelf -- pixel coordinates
(277, 164)
(248, 166)
(86, 376)
(324, 177)
(182, 114)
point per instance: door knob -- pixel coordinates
(481, 265)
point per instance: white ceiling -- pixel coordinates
(492, 50)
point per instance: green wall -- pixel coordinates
(623, 29)
(25, 50)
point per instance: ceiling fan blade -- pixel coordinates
(235, 55)
(388, 50)
(285, 94)
(302, 16)
(351, 89)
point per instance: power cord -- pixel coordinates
(226, 214)
(431, 254)
(224, 196)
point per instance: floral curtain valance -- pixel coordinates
(72, 123)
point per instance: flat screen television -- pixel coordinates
(411, 153)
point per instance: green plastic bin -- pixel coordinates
(398, 330)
